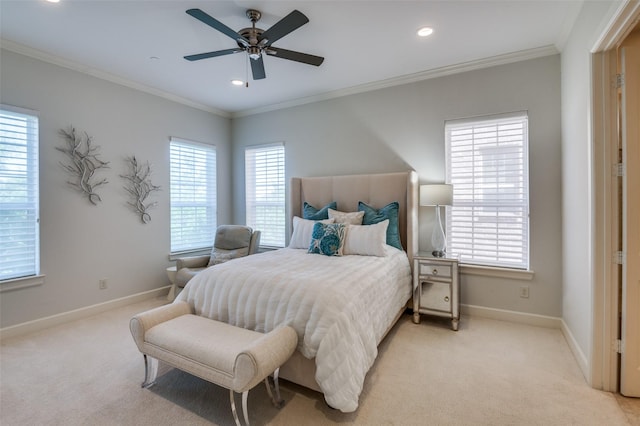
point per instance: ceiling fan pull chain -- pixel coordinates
(246, 68)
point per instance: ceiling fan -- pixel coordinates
(256, 41)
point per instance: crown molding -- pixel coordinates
(492, 61)
(56, 60)
(508, 58)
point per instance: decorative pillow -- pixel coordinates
(311, 213)
(390, 211)
(351, 218)
(367, 240)
(328, 238)
(221, 256)
(302, 229)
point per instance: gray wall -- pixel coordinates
(82, 243)
(402, 128)
(392, 129)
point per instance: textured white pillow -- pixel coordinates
(352, 218)
(366, 240)
(302, 230)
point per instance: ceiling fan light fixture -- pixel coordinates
(425, 31)
(254, 52)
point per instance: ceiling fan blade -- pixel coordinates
(214, 23)
(257, 68)
(213, 54)
(289, 23)
(291, 55)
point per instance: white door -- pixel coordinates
(630, 130)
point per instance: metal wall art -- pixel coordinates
(139, 186)
(83, 163)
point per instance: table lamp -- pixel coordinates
(437, 195)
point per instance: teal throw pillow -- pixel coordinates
(328, 238)
(390, 211)
(311, 213)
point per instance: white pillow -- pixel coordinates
(302, 230)
(352, 218)
(367, 240)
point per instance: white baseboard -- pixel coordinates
(76, 314)
(580, 357)
(511, 316)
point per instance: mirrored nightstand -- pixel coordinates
(436, 287)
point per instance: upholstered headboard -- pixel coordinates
(377, 190)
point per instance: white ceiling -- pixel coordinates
(365, 43)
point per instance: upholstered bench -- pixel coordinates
(232, 357)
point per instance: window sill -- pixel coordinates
(18, 283)
(207, 251)
(179, 255)
(490, 271)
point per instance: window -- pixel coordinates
(265, 192)
(19, 194)
(193, 195)
(487, 163)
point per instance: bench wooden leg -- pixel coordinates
(150, 371)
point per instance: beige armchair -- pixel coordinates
(231, 241)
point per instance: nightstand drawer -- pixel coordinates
(435, 295)
(435, 270)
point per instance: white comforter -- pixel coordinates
(339, 306)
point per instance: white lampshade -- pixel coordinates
(436, 195)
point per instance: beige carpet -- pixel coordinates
(490, 372)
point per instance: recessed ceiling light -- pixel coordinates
(53, 1)
(425, 31)
(237, 82)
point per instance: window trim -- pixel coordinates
(247, 149)
(469, 267)
(204, 249)
(496, 272)
(37, 278)
(22, 282)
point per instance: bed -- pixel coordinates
(340, 306)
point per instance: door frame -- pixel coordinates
(604, 362)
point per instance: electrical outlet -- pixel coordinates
(524, 291)
(102, 284)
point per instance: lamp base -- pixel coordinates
(438, 239)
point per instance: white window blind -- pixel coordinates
(265, 192)
(19, 194)
(487, 163)
(193, 195)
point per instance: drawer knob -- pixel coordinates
(435, 271)
(446, 298)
